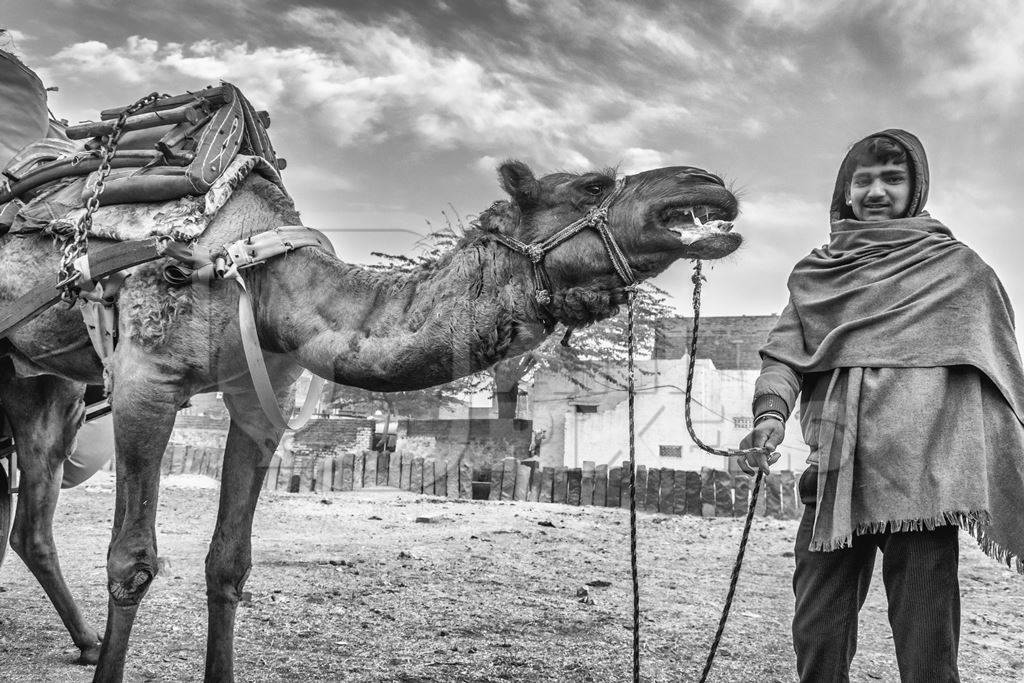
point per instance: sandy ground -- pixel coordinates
(384, 585)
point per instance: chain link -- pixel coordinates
(77, 243)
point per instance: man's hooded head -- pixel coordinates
(875, 159)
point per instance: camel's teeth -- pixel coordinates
(696, 220)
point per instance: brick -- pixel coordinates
(336, 483)
(694, 487)
(741, 495)
(560, 485)
(348, 461)
(707, 492)
(653, 496)
(600, 484)
(614, 487)
(522, 482)
(495, 490)
(358, 465)
(666, 500)
(574, 481)
(428, 476)
(587, 483)
(547, 484)
(641, 486)
(326, 475)
(723, 493)
(465, 480)
(508, 478)
(416, 483)
(405, 483)
(394, 471)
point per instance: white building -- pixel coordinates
(575, 424)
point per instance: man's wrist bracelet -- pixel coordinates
(769, 414)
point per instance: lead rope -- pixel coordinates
(698, 279)
(631, 297)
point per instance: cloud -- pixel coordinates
(135, 62)
(581, 83)
(781, 228)
(967, 60)
(980, 65)
(751, 127)
(805, 15)
(636, 159)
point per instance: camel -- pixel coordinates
(383, 331)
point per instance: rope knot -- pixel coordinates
(534, 252)
(598, 216)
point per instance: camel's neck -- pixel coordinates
(392, 331)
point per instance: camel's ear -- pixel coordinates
(517, 179)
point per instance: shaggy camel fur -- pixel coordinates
(355, 326)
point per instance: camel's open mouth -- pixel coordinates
(703, 230)
(691, 223)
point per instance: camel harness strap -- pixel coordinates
(98, 274)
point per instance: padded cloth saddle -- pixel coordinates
(173, 148)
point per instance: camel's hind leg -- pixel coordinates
(45, 413)
(250, 446)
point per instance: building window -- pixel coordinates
(670, 451)
(743, 422)
(584, 408)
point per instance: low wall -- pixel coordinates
(708, 493)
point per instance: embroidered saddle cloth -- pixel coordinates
(177, 162)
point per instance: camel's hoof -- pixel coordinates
(90, 654)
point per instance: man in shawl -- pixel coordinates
(900, 342)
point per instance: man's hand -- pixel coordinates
(768, 433)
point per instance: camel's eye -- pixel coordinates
(594, 189)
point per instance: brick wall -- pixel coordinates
(475, 440)
(731, 342)
(337, 434)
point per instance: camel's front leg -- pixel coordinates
(250, 445)
(45, 413)
(144, 405)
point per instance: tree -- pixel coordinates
(589, 349)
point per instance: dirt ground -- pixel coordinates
(384, 585)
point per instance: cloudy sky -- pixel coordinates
(390, 113)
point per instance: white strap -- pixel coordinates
(258, 369)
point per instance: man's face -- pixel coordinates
(879, 192)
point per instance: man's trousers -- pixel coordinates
(919, 569)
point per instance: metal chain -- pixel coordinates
(77, 243)
(631, 392)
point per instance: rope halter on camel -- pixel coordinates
(596, 219)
